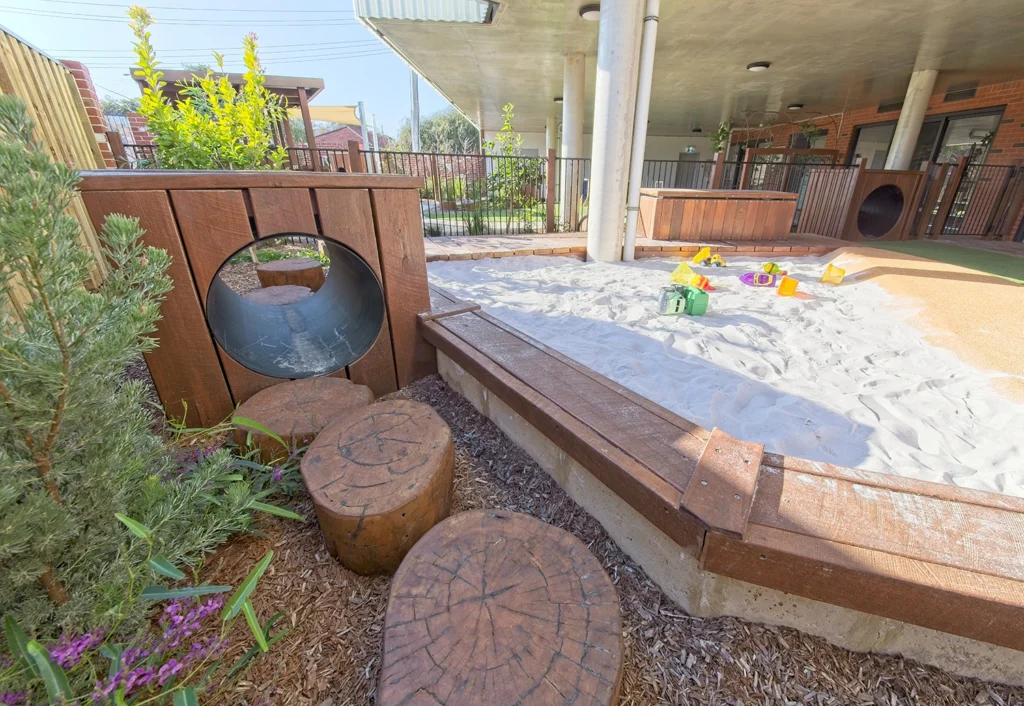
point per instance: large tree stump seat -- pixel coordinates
(380, 477)
(279, 295)
(493, 608)
(297, 411)
(301, 271)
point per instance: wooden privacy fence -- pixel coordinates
(203, 218)
(62, 125)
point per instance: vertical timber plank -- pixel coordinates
(403, 267)
(346, 216)
(219, 212)
(185, 367)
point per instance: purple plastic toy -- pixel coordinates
(758, 279)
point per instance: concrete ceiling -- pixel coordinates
(826, 54)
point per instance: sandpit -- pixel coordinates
(861, 375)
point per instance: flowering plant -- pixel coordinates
(172, 665)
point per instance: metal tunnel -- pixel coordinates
(319, 335)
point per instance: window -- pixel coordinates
(872, 143)
(798, 141)
(943, 138)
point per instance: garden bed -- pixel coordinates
(331, 655)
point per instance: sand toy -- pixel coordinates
(705, 258)
(682, 299)
(681, 275)
(833, 275)
(773, 269)
(759, 279)
(787, 287)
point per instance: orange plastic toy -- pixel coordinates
(787, 287)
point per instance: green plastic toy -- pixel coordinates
(683, 299)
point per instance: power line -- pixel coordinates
(303, 60)
(129, 53)
(166, 56)
(198, 9)
(177, 21)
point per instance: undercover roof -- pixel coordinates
(826, 55)
(287, 86)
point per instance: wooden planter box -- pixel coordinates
(716, 214)
(202, 218)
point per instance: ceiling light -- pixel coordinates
(758, 66)
(795, 106)
(558, 99)
(591, 12)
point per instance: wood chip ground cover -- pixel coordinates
(331, 656)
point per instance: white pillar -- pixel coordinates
(618, 49)
(643, 105)
(915, 104)
(551, 133)
(375, 141)
(362, 126)
(574, 73)
(414, 98)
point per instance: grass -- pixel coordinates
(1006, 266)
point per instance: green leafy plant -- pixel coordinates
(811, 132)
(512, 177)
(720, 137)
(452, 188)
(215, 126)
(173, 663)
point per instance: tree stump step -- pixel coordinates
(380, 477)
(279, 295)
(495, 608)
(297, 411)
(301, 271)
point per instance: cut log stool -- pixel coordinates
(495, 608)
(279, 295)
(301, 271)
(380, 477)
(297, 411)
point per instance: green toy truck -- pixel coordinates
(682, 299)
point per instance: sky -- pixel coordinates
(308, 38)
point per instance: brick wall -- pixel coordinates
(87, 90)
(1007, 146)
(140, 135)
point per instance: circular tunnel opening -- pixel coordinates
(880, 211)
(295, 305)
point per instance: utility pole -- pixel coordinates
(376, 141)
(362, 125)
(414, 90)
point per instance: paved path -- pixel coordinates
(476, 247)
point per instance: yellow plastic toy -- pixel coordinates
(787, 287)
(833, 275)
(702, 254)
(773, 269)
(682, 274)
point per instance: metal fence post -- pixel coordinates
(549, 196)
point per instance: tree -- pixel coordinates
(119, 106)
(216, 126)
(512, 177)
(447, 131)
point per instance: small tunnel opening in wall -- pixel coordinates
(880, 211)
(295, 305)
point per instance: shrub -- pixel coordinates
(76, 439)
(216, 126)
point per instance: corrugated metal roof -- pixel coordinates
(474, 11)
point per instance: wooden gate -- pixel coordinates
(202, 218)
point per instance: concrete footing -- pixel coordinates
(705, 594)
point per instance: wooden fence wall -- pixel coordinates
(62, 125)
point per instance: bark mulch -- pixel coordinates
(331, 656)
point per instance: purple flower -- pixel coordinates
(68, 650)
(278, 474)
(10, 698)
(171, 668)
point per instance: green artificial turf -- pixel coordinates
(1006, 266)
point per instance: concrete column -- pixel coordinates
(551, 133)
(572, 137)
(911, 117)
(618, 56)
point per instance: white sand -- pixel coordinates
(841, 376)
